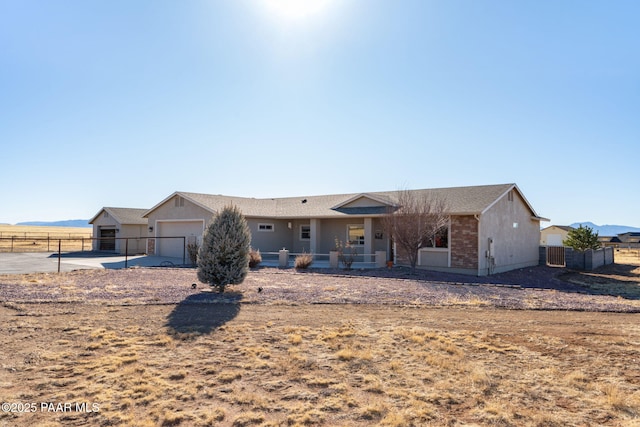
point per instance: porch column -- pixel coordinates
(314, 226)
(368, 238)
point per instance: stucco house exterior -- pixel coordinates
(554, 235)
(492, 228)
(110, 225)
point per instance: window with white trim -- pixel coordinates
(305, 232)
(440, 240)
(265, 227)
(355, 234)
(179, 202)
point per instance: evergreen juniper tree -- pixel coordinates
(223, 258)
(582, 238)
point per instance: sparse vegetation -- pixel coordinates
(192, 251)
(391, 363)
(303, 261)
(346, 253)
(415, 222)
(255, 258)
(322, 365)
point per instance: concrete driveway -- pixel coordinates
(47, 262)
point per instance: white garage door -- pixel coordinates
(554, 240)
(191, 230)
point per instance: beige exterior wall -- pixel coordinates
(515, 235)
(138, 242)
(282, 236)
(552, 231)
(100, 222)
(137, 231)
(270, 241)
(168, 211)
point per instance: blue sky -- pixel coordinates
(121, 103)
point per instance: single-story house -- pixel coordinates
(554, 235)
(492, 228)
(629, 237)
(112, 225)
(609, 241)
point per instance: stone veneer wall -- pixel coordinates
(464, 242)
(151, 246)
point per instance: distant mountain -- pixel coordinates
(67, 223)
(606, 230)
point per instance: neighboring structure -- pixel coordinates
(630, 239)
(554, 235)
(492, 228)
(609, 241)
(112, 225)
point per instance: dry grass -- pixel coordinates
(620, 279)
(26, 238)
(320, 365)
(274, 364)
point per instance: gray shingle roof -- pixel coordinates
(461, 200)
(127, 216)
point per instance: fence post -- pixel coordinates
(59, 250)
(126, 252)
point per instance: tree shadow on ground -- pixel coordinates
(621, 280)
(202, 313)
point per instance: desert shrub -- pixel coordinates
(223, 258)
(254, 257)
(303, 261)
(346, 253)
(192, 250)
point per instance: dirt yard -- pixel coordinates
(141, 347)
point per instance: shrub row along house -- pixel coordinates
(491, 228)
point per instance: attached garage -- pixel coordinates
(169, 235)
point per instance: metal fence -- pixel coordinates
(44, 244)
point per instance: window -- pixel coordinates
(440, 240)
(510, 196)
(305, 232)
(265, 227)
(179, 202)
(106, 215)
(355, 234)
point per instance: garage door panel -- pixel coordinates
(175, 247)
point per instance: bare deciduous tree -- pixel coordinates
(416, 219)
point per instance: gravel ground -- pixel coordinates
(530, 288)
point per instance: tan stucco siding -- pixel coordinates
(515, 235)
(102, 221)
(270, 241)
(169, 211)
(133, 231)
(558, 233)
(137, 244)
